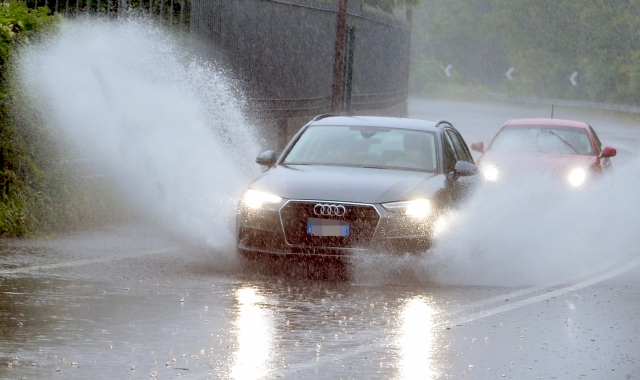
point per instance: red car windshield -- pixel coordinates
(542, 139)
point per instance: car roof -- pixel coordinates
(548, 122)
(377, 121)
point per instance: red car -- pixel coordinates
(569, 149)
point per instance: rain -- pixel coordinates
(132, 129)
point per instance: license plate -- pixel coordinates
(327, 227)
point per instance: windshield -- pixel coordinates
(542, 139)
(384, 148)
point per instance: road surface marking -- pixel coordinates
(515, 294)
(77, 263)
(543, 297)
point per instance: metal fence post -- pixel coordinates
(181, 16)
(171, 17)
(338, 61)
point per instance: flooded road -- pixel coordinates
(131, 302)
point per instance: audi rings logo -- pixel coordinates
(329, 210)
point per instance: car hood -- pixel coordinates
(526, 162)
(348, 184)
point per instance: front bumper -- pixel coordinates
(281, 231)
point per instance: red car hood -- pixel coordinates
(513, 163)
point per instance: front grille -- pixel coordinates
(362, 219)
(259, 229)
(404, 226)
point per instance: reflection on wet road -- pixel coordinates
(415, 340)
(96, 321)
(192, 320)
(253, 329)
(131, 303)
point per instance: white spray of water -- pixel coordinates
(169, 127)
(530, 232)
(534, 233)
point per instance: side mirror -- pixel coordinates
(608, 152)
(465, 169)
(267, 158)
(478, 146)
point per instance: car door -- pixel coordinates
(462, 185)
(449, 159)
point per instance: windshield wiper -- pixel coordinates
(573, 148)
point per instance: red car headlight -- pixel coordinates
(577, 177)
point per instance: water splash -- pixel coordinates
(535, 232)
(168, 127)
(529, 232)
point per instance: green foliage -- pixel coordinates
(14, 218)
(544, 40)
(39, 190)
(390, 5)
(631, 71)
(18, 168)
(17, 22)
(548, 40)
(457, 33)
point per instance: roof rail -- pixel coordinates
(439, 122)
(323, 116)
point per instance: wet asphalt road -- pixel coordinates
(130, 302)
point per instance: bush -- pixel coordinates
(19, 172)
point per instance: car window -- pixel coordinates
(448, 150)
(460, 147)
(386, 148)
(542, 139)
(597, 140)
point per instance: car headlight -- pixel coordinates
(418, 208)
(577, 177)
(490, 172)
(257, 199)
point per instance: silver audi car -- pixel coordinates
(345, 184)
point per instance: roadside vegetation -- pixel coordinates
(544, 41)
(39, 190)
(20, 148)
